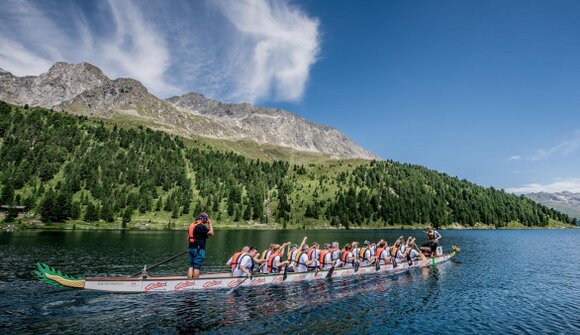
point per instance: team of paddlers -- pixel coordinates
(313, 258)
(302, 258)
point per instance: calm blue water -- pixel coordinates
(503, 282)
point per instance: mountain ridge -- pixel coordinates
(84, 89)
(566, 202)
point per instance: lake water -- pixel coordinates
(503, 282)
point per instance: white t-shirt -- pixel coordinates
(365, 261)
(328, 261)
(348, 263)
(315, 257)
(301, 266)
(414, 254)
(355, 252)
(336, 256)
(292, 259)
(384, 256)
(246, 261)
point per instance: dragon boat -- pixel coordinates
(221, 280)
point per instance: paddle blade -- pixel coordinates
(377, 265)
(329, 274)
(285, 275)
(356, 265)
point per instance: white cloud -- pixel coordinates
(34, 37)
(280, 43)
(564, 148)
(242, 50)
(560, 185)
(15, 58)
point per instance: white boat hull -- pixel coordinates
(224, 280)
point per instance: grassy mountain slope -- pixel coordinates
(113, 173)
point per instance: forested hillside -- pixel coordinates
(96, 173)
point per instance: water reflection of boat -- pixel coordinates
(216, 280)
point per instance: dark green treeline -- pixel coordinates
(67, 167)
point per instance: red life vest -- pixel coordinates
(310, 253)
(379, 252)
(270, 264)
(344, 257)
(192, 230)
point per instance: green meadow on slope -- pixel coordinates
(75, 171)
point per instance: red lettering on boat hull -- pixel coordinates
(184, 284)
(212, 283)
(155, 286)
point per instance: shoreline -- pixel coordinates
(253, 228)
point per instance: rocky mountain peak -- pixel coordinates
(84, 89)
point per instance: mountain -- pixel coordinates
(565, 202)
(95, 173)
(83, 89)
(273, 126)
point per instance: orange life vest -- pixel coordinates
(235, 259)
(344, 257)
(323, 257)
(192, 230)
(270, 264)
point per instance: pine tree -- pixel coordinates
(91, 213)
(126, 217)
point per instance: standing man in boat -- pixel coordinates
(198, 234)
(433, 237)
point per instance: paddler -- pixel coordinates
(365, 255)
(275, 263)
(433, 238)
(413, 254)
(347, 258)
(325, 259)
(198, 233)
(395, 252)
(336, 253)
(382, 254)
(293, 257)
(242, 262)
(265, 255)
(303, 263)
(313, 256)
(355, 249)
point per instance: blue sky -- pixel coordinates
(482, 90)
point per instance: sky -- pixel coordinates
(488, 91)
